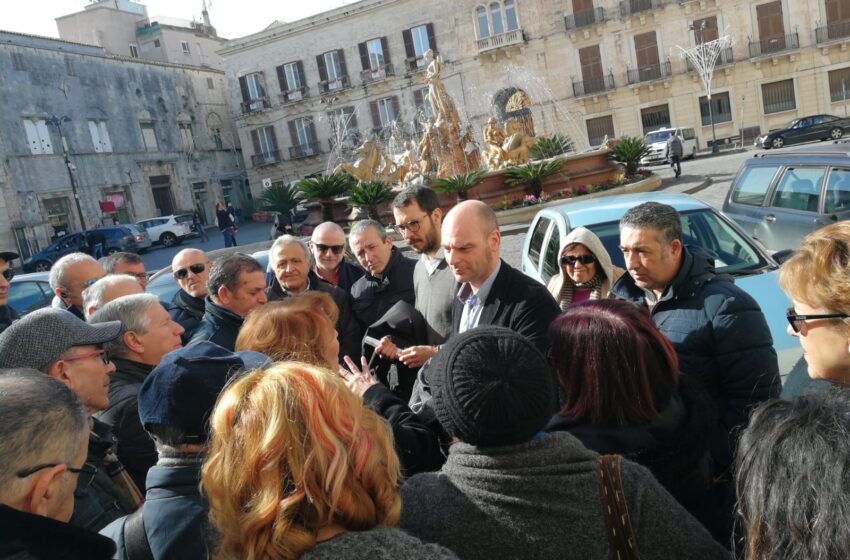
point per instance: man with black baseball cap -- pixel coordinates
(175, 403)
(57, 343)
(7, 314)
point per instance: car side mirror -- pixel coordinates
(783, 255)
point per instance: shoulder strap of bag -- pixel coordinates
(618, 526)
(136, 545)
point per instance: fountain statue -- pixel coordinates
(509, 146)
(372, 164)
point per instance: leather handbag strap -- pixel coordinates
(618, 526)
(136, 545)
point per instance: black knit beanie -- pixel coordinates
(492, 387)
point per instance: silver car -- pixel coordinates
(754, 270)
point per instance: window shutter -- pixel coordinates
(376, 114)
(432, 40)
(293, 133)
(255, 140)
(364, 56)
(342, 67)
(352, 122)
(417, 98)
(396, 108)
(281, 78)
(409, 50)
(323, 71)
(311, 129)
(385, 47)
(274, 139)
(243, 85)
(299, 66)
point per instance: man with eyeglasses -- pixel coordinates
(7, 314)
(718, 331)
(43, 444)
(127, 263)
(55, 342)
(191, 268)
(72, 274)
(328, 246)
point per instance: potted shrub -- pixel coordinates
(459, 184)
(628, 151)
(324, 189)
(531, 175)
(369, 195)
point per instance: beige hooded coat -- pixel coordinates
(584, 236)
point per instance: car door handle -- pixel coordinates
(770, 218)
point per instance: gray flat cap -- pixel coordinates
(39, 338)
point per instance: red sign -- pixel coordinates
(107, 206)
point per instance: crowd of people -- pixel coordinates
(443, 406)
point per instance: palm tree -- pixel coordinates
(325, 188)
(459, 184)
(531, 175)
(628, 151)
(550, 146)
(369, 195)
(280, 197)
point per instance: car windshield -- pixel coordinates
(660, 136)
(733, 254)
(793, 123)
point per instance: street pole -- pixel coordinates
(742, 121)
(57, 122)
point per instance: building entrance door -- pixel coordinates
(162, 197)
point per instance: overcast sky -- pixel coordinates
(231, 18)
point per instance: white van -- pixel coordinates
(656, 142)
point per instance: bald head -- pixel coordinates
(107, 289)
(328, 247)
(191, 268)
(471, 241)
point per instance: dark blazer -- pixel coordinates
(26, 536)
(371, 297)
(517, 302)
(218, 325)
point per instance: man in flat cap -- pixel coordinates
(59, 344)
(7, 314)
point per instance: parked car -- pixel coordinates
(656, 143)
(166, 230)
(28, 292)
(187, 219)
(118, 238)
(755, 271)
(143, 240)
(805, 129)
(779, 197)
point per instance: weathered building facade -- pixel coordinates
(142, 139)
(591, 67)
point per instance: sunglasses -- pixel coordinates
(85, 469)
(182, 273)
(412, 225)
(336, 249)
(104, 357)
(797, 321)
(8, 274)
(572, 259)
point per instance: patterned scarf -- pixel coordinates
(568, 286)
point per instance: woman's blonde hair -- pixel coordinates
(297, 328)
(293, 450)
(818, 273)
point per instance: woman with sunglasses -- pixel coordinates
(586, 270)
(817, 281)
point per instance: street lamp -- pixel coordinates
(57, 122)
(698, 37)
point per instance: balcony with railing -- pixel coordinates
(334, 84)
(723, 59)
(305, 150)
(833, 31)
(507, 39)
(631, 7)
(265, 158)
(254, 105)
(293, 95)
(375, 74)
(593, 86)
(648, 73)
(584, 18)
(416, 63)
(773, 45)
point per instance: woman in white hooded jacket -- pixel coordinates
(586, 270)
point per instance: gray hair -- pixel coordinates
(60, 267)
(654, 215)
(113, 260)
(93, 296)
(41, 421)
(225, 272)
(286, 240)
(132, 312)
(363, 225)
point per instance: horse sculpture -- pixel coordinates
(372, 165)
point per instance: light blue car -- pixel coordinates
(755, 271)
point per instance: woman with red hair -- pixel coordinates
(622, 394)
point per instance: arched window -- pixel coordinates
(511, 20)
(496, 18)
(483, 23)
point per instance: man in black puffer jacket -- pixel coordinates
(719, 332)
(191, 268)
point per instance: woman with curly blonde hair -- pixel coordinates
(299, 329)
(298, 466)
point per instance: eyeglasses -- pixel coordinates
(796, 321)
(336, 249)
(8, 274)
(87, 468)
(183, 273)
(104, 357)
(412, 225)
(137, 275)
(572, 259)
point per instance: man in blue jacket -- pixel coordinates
(719, 332)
